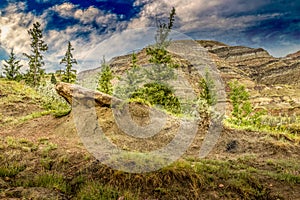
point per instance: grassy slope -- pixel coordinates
(41, 156)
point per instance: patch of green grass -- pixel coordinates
(11, 142)
(11, 169)
(282, 134)
(47, 163)
(136, 161)
(286, 177)
(44, 97)
(96, 191)
(34, 115)
(284, 170)
(48, 147)
(51, 181)
(22, 143)
(16, 90)
(19, 120)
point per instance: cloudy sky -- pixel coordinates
(90, 24)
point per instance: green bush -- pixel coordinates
(243, 112)
(93, 190)
(158, 94)
(51, 101)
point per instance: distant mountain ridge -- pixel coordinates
(254, 63)
(257, 63)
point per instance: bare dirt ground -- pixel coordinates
(257, 150)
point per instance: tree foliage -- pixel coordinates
(12, 67)
(69, 74)
(160, 95)
(36, 72)
(53, 79)
(240, 100)
(159, 56)
(104, 84)
(208, 92)
(158, 92)
(130, 83)
(243, 112)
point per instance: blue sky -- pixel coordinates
(270, 24)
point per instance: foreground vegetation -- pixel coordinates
(42, 164)
(21, 103)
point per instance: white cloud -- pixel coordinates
(85, 16)
(14, 25)
(89, 15)
(200, 15)
(64, 10)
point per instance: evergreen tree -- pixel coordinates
(160, 57)
(240, 99)
(69, 74)
(12, 68)
(35, 72)
(133, 76)
(53, 79)
(106, 76)
(207, 89)
(131, 81)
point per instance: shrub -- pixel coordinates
(243, 112)
(106, 76)
(158, 94)
(52, 101)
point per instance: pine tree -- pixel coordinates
(106, 76)
(35, 72)
(69, 74)
(53, 79)
(130, 83)
(207, 89)
(132, 75)
(160, 57)
(240, 99)
(158, 92)
(12, 68)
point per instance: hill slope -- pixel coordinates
(272, 82)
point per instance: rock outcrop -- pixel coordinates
(77, 93)
(135, 127)
(257, 64)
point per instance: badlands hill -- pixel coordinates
(272, 82)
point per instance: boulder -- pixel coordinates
(71, 93)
